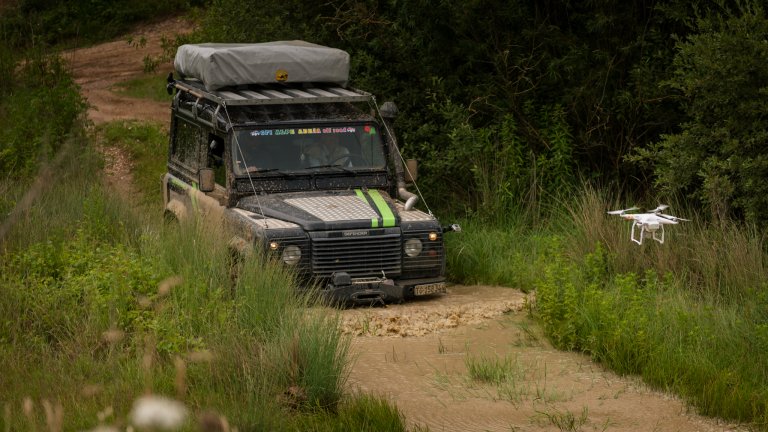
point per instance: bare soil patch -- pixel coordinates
(98, 68)
(416, 354)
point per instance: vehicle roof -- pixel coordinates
(286, 103)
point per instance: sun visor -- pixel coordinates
(220, 65)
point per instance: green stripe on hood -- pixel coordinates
(386, 213)
(361, 195)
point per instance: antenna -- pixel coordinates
(242, 156)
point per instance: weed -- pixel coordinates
(686, 315)
(566, 420)
(505, 374)
(441, 349)
(393, 357)
(100, 305)
(527, 336)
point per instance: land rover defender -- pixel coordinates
(270, 139)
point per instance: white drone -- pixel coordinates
(651, 222)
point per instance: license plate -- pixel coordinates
(425, 289)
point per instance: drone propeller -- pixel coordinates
(660, 208)
(672, 218)
(621, 212)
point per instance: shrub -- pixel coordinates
(719, 157)
(37, 114)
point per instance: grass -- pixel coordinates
(566, 420)
(102, 304)
(147, 146)
(507, 256)
(148, 86)
(492, 370)
(688, 316)
(505, 374)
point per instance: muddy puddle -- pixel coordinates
(419, 354)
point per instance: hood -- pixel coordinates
(327, 210)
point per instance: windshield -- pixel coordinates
(326, 147)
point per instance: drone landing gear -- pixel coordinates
(653, 229)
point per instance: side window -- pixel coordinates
(186, 144)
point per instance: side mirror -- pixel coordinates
(207, 179)
(388, 110)
(411, 170)
(170, 84)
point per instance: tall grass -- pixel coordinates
(722, 261)
(507, 255)
(689, 316)
(102, 304)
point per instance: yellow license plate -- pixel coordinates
(435, 288)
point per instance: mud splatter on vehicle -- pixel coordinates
(268, 138)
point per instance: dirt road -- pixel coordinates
(418, 354)
(98, 68)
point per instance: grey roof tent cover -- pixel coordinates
(220, 65)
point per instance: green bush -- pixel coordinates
(704, 350)
(719, 157)
(37, 114)
(101, 297)
(27, 23)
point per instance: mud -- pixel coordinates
(417, 354)
(464, 306)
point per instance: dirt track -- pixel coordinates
(98, 68)
(416, 354)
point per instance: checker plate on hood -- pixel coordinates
(335, 208)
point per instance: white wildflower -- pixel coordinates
(158, 412)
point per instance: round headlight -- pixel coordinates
(291, 254)
(413, 247)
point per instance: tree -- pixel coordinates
(719, 156)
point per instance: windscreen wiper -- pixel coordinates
(341, 167)
(253, 170)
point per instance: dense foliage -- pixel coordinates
(720, 156)
(24, 23)
(39, 105)
(535, 95)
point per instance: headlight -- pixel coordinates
(291, 254)
(413, 247)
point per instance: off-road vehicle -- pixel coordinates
(271, 140)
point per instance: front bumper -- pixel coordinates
(342, 289)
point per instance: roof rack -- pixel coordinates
(268, 95)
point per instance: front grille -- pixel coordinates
(430, 261)
(365, 256)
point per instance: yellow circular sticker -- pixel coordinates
(281, 75)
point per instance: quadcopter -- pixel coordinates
(651, 222)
